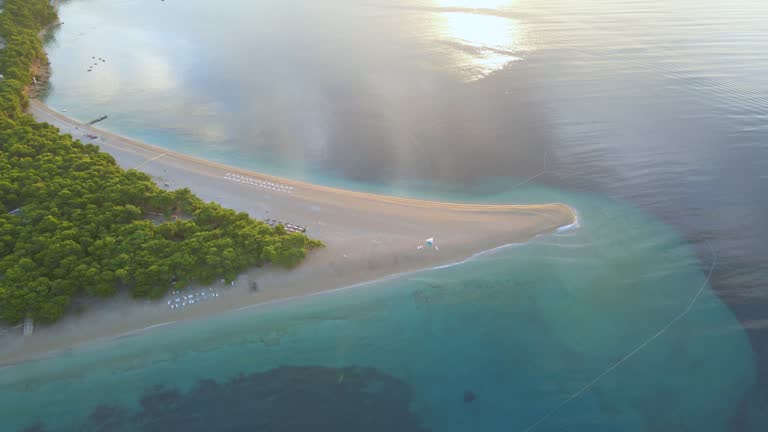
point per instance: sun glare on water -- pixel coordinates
(482, 43)
(479, 4)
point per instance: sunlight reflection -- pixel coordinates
(480, 4)
(481, 43)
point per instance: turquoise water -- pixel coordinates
(658, 104)
(523, 329)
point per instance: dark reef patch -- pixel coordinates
(284, 399)
(469, 396)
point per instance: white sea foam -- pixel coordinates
(572, 226)
(142, 330)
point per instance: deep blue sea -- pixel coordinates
(648, 117)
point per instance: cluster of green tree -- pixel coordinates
(72, 222)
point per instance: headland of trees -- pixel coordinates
(74, 223)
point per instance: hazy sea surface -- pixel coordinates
(648, 117)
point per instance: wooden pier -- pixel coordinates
(97, 120)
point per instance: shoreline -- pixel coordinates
(276, 301)
(43, 113)
(369, 238)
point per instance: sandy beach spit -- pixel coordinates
(368, 237)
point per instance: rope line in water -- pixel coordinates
(633, 352)
(531, 178)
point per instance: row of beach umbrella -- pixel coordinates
(277, 187)
(181, 301)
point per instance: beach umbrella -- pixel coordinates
(430, 241)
